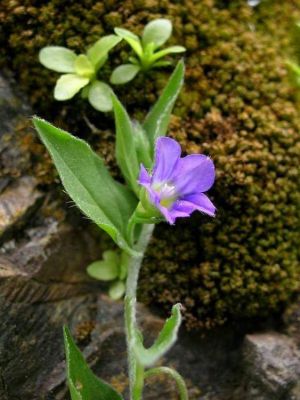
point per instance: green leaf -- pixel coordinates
(160, 64)
(83, 384)
(142, 145)
(163, 343)
(124, 73)
(88, 182)
(157, 32)
(156, 122)
(125, 147)
(83, 66)
(100, 96)
(116, 290)
(99, 51)
(132, 39)
(106, 269)
(168, 50)
(68, 85)
(57, 58)
(294, 72)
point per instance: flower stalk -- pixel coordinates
(136, 371)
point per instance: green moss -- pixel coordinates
(237, 106)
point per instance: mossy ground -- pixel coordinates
(237, 106)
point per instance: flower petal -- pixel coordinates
(195, 174)
(144, 177)
(171, 214)
(196, 201)
(167, 154)
(145, 180)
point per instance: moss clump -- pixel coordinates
(236, 106)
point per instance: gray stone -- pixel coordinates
(272, 366)
(17, 203)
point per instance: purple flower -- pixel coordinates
(177, 184)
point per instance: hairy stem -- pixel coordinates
(136, 371)
(173, 374)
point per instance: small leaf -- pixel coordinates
(106, 269)
(134, 60)
(85, 92)
(83, 66)
(157, 32)
(117, 290)
(132, 39)
(88, 182)
(168, 50)
(125, 147)
(163, 343)
(97, 54)
(156, 122)
(100, 96)
(68, 85)
(124, 73)
(160, 64)
(83, 384)
(57, 58)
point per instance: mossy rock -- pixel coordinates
(237, 106)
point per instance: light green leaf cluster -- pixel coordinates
(83, 384)
(80, 72)
(147, 50)
(112, 268)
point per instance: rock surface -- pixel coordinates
(272, 366)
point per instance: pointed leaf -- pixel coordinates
(168, 50)
(88, 182)
(132, 39)
(294, 72)
(83, 384)
(83, 66)
(57, 58)
(125, 146)
(163, 343)
(98, 52)
(142, 145)
(124, 73)
(157, 32)
(100, 96)
(156, 122)
(68, 85)
(116, 290)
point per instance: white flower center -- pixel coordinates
(167, 193)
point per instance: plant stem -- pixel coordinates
(173, 374)
(136, 371)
